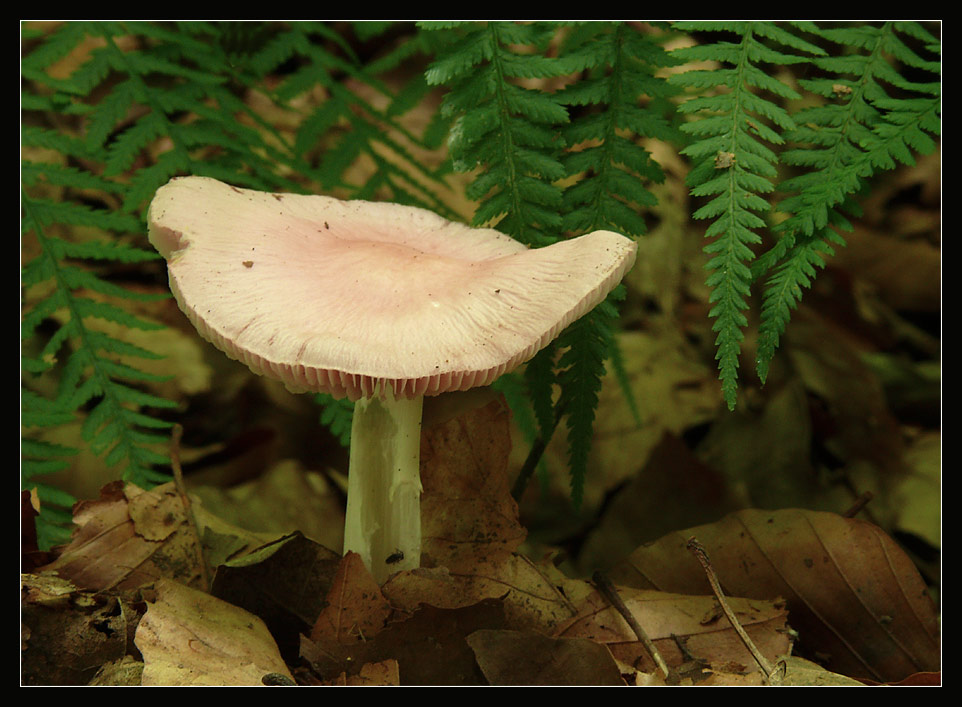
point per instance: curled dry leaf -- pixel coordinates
(188, 637)
(854, 597)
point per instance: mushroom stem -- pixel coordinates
(383, 523)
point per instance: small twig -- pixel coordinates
(859, 504)
(534, 456)
(769, 671)
(608, 590)
(175, 436)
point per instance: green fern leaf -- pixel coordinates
(581, 369)
(732, 165)
(603, 142)
(507, 131)
(857, 131)
(338, 416)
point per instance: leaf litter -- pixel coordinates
(480, 611)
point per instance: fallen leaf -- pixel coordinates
(764, 452)
(674, 489)
(858, 422)
(535, 596)
(919, 494)
(129, 537)
(528, 658)
(682, 627)
(67, 634)
(356, 610)
(285, 583)
(283, 499)
(430, 647)
(906, 273)
(188, 637)
(854, 597)
(467, 512)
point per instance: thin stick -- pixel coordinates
(698, 550)
(175, 436)
(534, 456)
(859, 504)
(608, 590)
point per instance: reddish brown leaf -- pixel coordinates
(356, 610)
(855, 598)
(467, 512)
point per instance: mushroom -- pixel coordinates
(380, 303)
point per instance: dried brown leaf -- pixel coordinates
(356, 610)
(853, 595)
(188, 637)
(683, 628)
(535, 596)
(430, 647)
(130, 537)
(528, 658)
(467, 512)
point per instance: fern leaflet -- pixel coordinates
(858, 130)
(733, 165)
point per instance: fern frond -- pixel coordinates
(603, 140)
(39, 459)
(587, 345)
(732, 164)
(92, 372)
(504, 130)
(337, 415)
(858, 130)
(347, 127)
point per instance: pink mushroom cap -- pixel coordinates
(345, 297)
